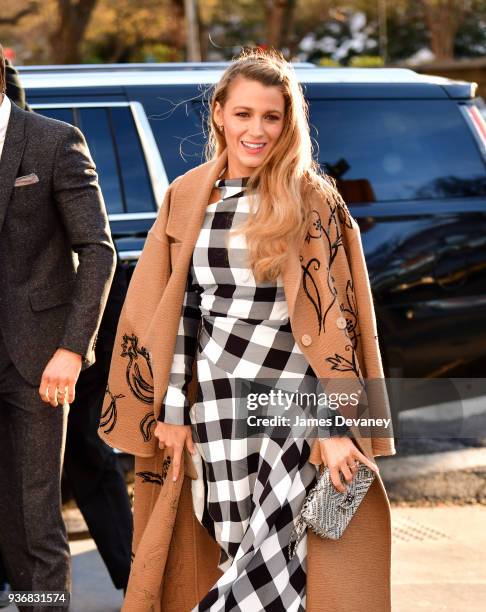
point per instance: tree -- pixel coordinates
(68, 35)
(443, 19)
(137, 30)
(279, 21)
(14, 19)
(471, 37)
(60, 31)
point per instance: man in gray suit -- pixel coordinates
(56, 264)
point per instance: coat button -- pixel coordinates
(306, 340)
(341, 322)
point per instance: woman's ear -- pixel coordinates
(218, 113)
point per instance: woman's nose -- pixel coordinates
(256, 128)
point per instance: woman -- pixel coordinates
(242, 263)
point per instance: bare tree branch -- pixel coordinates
(31, 9)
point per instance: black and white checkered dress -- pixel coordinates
(250, 489)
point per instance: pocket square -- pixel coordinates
(28, 179)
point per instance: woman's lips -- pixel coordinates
(253, 150)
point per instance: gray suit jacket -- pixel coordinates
(56, 254)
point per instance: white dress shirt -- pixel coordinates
(4, 117)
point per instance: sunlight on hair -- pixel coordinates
(287, 174)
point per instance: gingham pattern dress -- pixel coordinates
(250, 490)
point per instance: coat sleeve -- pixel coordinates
(81, 206)
(127, 417)
(372, 368)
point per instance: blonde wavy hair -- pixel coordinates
(286, 175)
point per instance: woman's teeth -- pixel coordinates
(253, 146)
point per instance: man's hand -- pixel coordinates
(61, 373)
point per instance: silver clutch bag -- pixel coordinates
(327, 511)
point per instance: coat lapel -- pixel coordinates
(13, 150)
(187, 217)
(291, 276)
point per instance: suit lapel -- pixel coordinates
(13, 150)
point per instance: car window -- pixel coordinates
(177, 129)
(133, 169)
(61, 114)
(384, 150)
(95, 125)
(115, 146)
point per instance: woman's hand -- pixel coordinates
(340, 454)
(174, 437)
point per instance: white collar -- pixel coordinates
(5, 109)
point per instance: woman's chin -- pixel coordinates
(250, 161)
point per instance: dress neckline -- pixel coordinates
(231, 187)
(232, 182)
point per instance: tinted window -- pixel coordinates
(397, 149)
(62, 114)
(115, 146)
(95, 125)
(136, 183)
(173, 113)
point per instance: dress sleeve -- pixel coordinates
(175, 405)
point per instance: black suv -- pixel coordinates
(408, 152)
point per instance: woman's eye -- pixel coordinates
(271, 117)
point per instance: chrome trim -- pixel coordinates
(79, 104)
(129, 255)
(142, 66)
(155, 166)
(107, 78)
(132, 216)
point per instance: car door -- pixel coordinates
(414, 177)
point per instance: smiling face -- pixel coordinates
(253, 119)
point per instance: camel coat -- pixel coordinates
(333, 321)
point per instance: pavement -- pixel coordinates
(437, 489)
(92, 585)
(438, 560)
(438, 563)
(93, 590)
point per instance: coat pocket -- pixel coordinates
(49, 297)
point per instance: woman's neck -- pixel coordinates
(228, 175)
